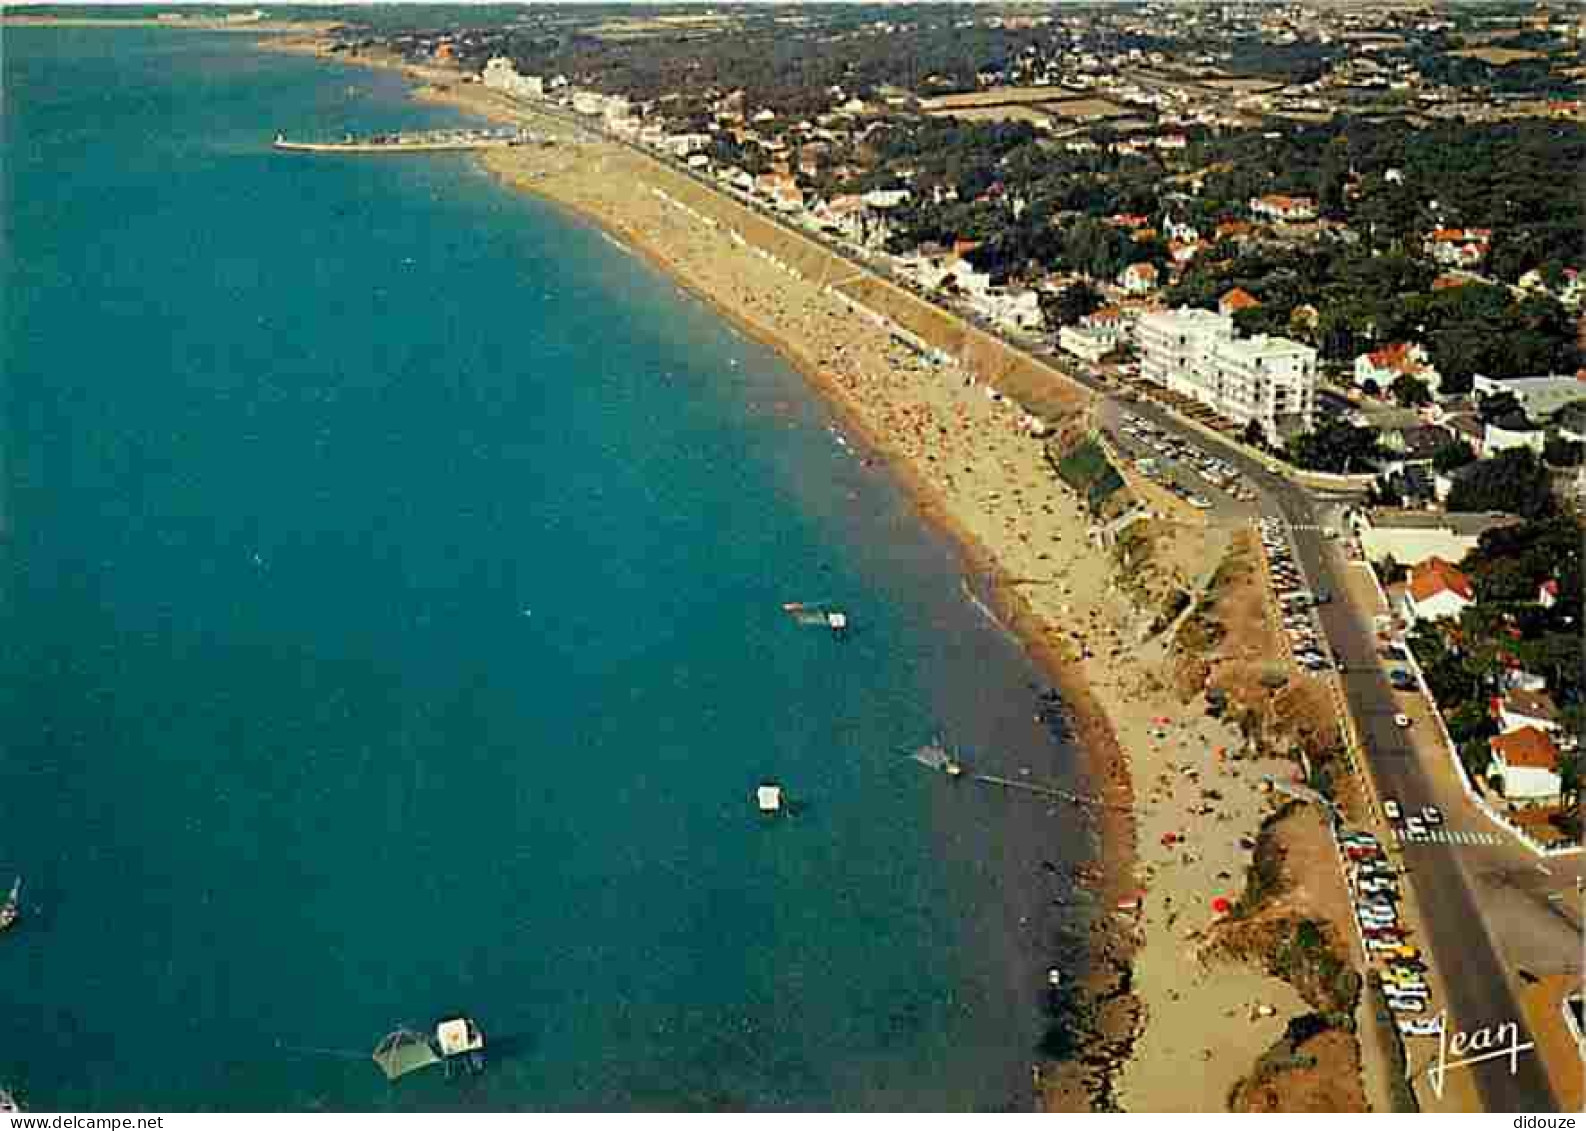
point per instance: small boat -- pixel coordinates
(769, 798)
(11, 909)
(1054, 977)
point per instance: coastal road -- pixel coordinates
(1472, 899)
(1458, 926)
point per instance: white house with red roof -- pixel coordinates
(1183, 251)
(1525, 767)
(1138, 278)
(1097, 335)
(1288, 208)
(1382, 367)
(1436, 591)
(1459, 247)
(1236, 300)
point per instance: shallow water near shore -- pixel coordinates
(392, 618)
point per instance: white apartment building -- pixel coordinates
(501, 75)
(1097, 334)
(1269, 380)
(1194, 353)
(1174, 345)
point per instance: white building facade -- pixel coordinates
(1270, 381)
(501, 75)
(1175, 344)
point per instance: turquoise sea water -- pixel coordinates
(391, 626)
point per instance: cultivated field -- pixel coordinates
(1034, 115)
(1497, 56)
(1243, 86)
(996, 96)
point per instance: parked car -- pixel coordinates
(1415, 828)
(1401, 721)
(1401, 680)
(1395, 992)
(1407, 1004)
(1420, 1026)
(1391, 810)
(1431, 816)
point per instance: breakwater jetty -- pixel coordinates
(423, 141)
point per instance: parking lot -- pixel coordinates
(1202, 480)
(1296, 604)
(1400, 968)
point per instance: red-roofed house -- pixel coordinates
(1138, 278)
(1524, 767)
(1276, 207)
(1097, 335)
(1459, 247)
(1384, 366)
(1236, 300)
(1436, 590)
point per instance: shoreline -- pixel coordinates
(966, 462)
(1108, 1018)
(1110, 957)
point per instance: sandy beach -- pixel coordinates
(1167, 1025)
